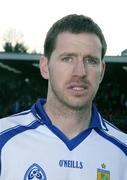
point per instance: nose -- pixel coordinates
(80, 69)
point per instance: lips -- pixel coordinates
(77, 86)
(77, 89)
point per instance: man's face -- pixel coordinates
(75, 70)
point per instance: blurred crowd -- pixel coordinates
(112, 100)
(19, 94)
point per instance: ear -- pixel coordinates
(44, 67)
(102, 71)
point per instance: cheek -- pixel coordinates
(95, 78)
(59, 72)
(56, 78)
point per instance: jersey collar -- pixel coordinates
(38, 111)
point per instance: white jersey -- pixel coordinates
(32, 148)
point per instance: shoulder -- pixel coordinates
(21, 119)
(115, 132)
(115, 136)
(17, 124)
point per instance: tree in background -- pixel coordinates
(8, 47)
(20, 48)
(13, 42)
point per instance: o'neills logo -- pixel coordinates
(71, 164)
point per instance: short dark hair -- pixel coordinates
(75, 24)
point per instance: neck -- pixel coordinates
(70, 121)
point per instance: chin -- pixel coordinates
(77, 105)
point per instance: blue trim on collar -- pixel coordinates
(96, 120)
(38, 111)
(96, 123)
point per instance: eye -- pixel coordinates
(67, 59)
(91, 60)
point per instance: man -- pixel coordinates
(65, 137)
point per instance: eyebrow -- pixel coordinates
(68, 54)
(89, 56)
(76, 55)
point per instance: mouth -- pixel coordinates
(77, 89)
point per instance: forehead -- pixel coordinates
(84, 42)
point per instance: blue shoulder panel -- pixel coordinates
(113, 140)
(10, 133)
